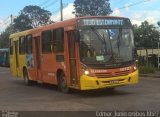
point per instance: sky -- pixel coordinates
(137, 10)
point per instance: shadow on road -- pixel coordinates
(102, 92)
(37, 85)
(86, 94)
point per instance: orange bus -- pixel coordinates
(82, 53)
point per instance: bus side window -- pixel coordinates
(58, 40)
(47, 41)
(11, 47)
(29, 44)
(54, 40)
(22, 45)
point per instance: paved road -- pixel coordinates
(14, 95)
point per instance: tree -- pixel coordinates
(92, 8)
(158, 23)
(31, 17)
(4, 37)
(146, 36)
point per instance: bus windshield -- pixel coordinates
(106, 45)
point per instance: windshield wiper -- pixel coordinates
(116, 58)
(119, 38)
(100, 38)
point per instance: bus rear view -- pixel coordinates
(107, 53)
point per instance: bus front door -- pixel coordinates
(73, 69)
(37, 59)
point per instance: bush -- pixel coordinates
(148, 68)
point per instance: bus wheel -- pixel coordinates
(63, 83)
(26, 79)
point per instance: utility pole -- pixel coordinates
(11, 19)
(11, 23)
(158, 49)
(61, 4)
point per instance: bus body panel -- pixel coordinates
(17, 61)
(88, 83)
(49, 68)
(22, 63)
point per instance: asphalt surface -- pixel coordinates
(14, 95)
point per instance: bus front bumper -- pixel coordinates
(89, 83)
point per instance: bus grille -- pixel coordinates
(112, 74)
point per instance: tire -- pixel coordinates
(62, 84)
(26, 78)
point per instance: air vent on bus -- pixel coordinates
(112, 74)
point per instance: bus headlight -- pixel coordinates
(84, 69)
(135, 68)
(86, 72)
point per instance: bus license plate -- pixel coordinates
(114, 82)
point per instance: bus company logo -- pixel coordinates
(125, 69)
(99, 71)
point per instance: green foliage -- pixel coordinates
(4, 40)
(21, 23)
(146, 35)
(158, 23)
(31, 17)
(92, 8)
(4, 37)
(148, 68)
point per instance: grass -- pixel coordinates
(147, 68)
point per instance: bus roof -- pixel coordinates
(65, 23)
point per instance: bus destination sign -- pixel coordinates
(103, 22)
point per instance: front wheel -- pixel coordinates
(63, 83)
(26, 78)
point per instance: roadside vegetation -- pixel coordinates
(147, 68)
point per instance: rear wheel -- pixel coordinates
(63, 83)
(26, 78)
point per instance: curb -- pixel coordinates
(149, 75)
